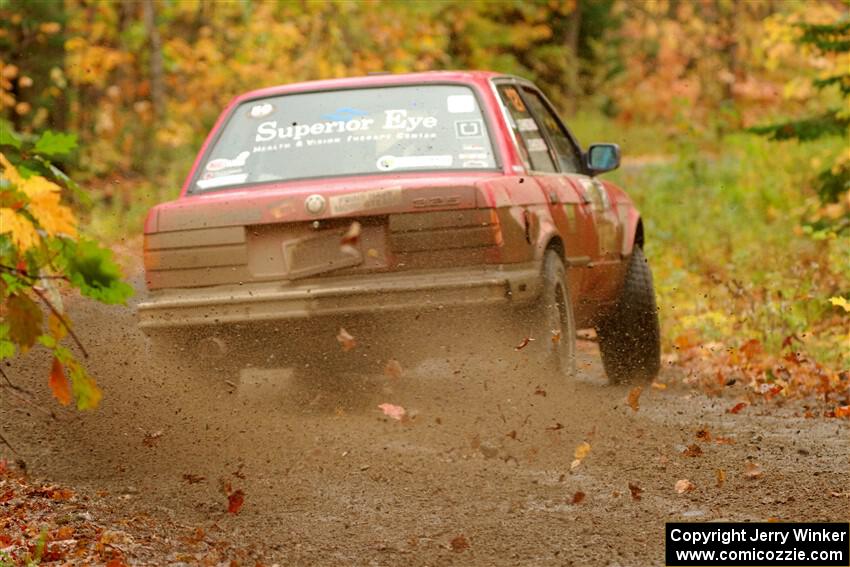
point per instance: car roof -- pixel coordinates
(378, 79)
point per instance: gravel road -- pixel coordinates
(480, 472)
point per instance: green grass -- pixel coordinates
(723, 235)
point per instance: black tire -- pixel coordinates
(629, 336)
(551, 319)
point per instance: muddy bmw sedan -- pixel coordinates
(335, 225)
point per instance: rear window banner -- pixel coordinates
(348, 132)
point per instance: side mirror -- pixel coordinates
(602, 157)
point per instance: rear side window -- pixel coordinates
(564, 148)
(532, 144)
(349, 132)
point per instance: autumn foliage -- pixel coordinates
(681, 86)
(42, 257)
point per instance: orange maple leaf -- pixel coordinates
(59, 384)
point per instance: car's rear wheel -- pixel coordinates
(551, 320)
(629, 336)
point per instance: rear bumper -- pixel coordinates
(369, 294)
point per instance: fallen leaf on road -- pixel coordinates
(555, 427)
(538, 391)
(580, 453)
(149, 440)
(393, 411)
(635, 489)
(659, 385)
(684, 485)
(751, 348)
(724, 440)
(345, 340)
(752, 470)
(578, 497)
(556, 337)
(393, 369)
(692, 451)
(704, 435)
(235, 500)
(840, 302)
(524, 343)
(842, 411)
(634, 398)
(193, 478)
(737, 407)
(721, 476)
(459, 544)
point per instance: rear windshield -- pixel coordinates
(349, 132)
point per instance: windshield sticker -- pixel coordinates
(222, 180)
(222, 172)
(459, 104)
(222, 163)
(526, 124)
(388, 163)
(365, 200)
(395, 120)
(536, 145)
(474, 163)
(260, 110)
(344, 114)
(469, 128)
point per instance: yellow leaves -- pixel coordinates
(43, 204)
(24, 235)
(9, 171)
(840, 302)
(92, 64)
(46, 208)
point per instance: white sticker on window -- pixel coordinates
(458, 104)
(260, 110)
(388, 163)
(536, 144)
(526, 124)
(222, 163)
(223, 180)
(469, 128)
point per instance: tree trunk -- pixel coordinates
(574, 30)
(155, 60)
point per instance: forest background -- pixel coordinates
(746, 207)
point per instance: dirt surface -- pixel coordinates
(478, 473)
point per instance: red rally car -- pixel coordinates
(321, 211)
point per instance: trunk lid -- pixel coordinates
(309, 228)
